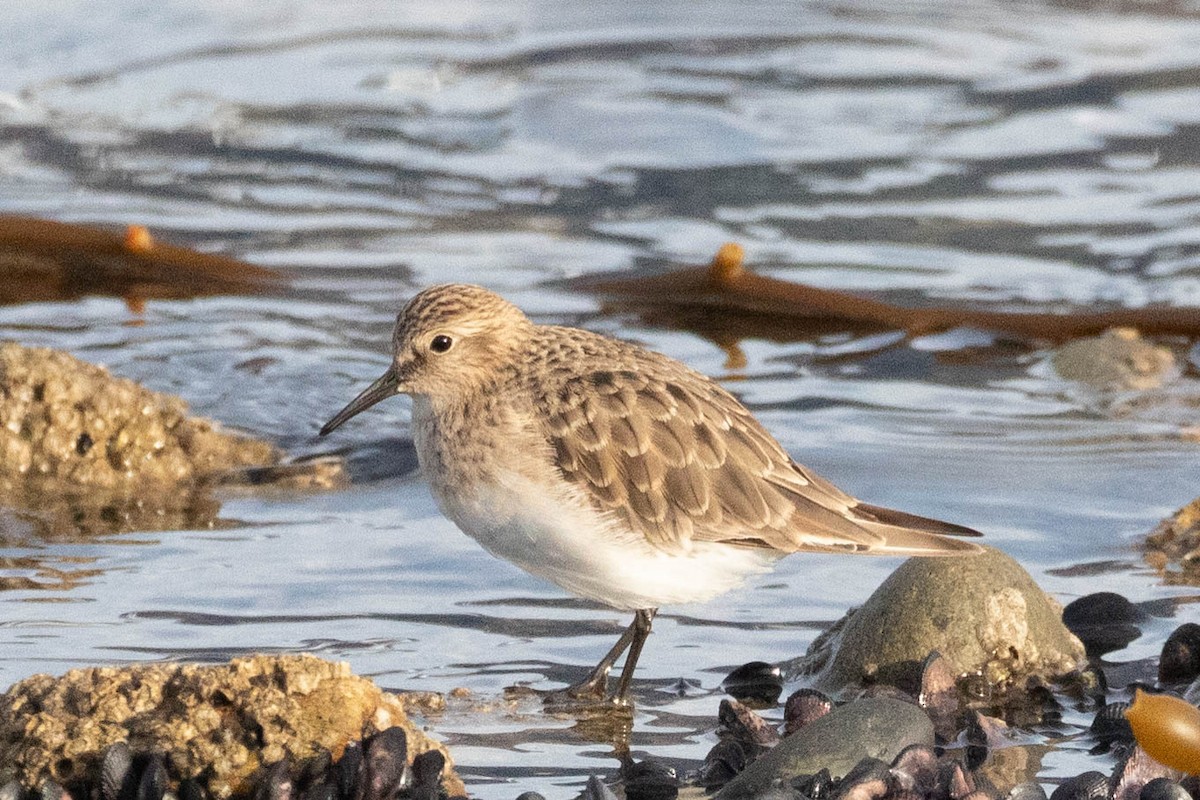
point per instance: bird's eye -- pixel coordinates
(440, 343)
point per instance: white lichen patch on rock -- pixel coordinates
(216, 723)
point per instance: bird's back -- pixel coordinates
(678, 459)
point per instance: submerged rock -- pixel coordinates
(984, 614)
(1180, 658)
(757, 684)
(1118, 360)
(217, 724)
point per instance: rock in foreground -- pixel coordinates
(217, 724)
(877, 728)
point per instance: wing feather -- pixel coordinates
(679, 459)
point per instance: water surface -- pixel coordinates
(1025, 156)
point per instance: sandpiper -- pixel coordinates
(615, 472)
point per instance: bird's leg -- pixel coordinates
(596, 683)
(643, 621)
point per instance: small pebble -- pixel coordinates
(530, 796)
(1029, 790)
(12, 791)
(1163, 789)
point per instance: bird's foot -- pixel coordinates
(592, 689)
(590, 693)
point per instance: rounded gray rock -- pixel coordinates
(982, 613)
(878, 727)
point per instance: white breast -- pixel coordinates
(549, 531)
(554, 536)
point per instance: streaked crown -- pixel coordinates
(454, 338)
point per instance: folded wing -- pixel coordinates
(681, 460)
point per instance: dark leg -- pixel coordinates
(596, 683)
(642, 623)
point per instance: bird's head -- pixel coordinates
(450, 341)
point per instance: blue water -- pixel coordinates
(1030, 156)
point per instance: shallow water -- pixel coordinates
(1027, 156)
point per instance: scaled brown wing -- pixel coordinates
(681, 460)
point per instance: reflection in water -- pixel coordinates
(58, 516)
(36, 523)
(41, 573)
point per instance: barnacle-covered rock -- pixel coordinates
(83, 451)
(1173, 548)
(218, 724)
(62, 419)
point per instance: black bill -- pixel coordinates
(383, 388)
